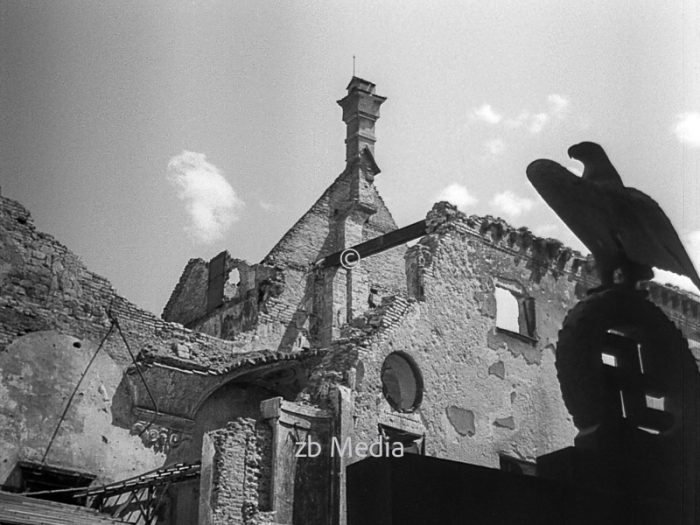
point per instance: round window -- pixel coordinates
(402, 384)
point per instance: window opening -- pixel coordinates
(402, 383)
(515, 312)
(507, 310)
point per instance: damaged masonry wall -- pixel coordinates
(486, 391)
(53, 315)
(280, 302)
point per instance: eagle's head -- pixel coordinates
(587, 152)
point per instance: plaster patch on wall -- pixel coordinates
(505, 422)
(462, 420)
(498, 369)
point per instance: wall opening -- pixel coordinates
(402, 383)
(515, 312)
(507, 310)
(232, 285)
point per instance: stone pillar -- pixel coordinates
(235, 481)
(299, 480)
(343, 412)
(331, 303)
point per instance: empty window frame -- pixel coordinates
(402, 382)
(515, 312)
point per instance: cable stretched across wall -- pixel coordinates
(114, 323)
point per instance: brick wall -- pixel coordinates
(238, 463)
(486, 392)
(53, 315)
(295, 303)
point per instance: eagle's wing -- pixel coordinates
(651, 238)
(582, 205)
(610, 219)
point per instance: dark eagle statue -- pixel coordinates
(625, 229)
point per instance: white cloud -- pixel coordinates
(267, 206)
(511, 204)
(495, 147)
(209, 199)
(458, 195)
(486, 113)
(558, 105)
(537, 122)
(692, 245)
(557, 109)
(518, 121)
(687, 129)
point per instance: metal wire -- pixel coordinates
(114, 323)
(75, 391)
(156, 410)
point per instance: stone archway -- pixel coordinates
(230, 401)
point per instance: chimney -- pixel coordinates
(360, 112)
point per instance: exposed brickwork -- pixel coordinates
(468, 367)
(288, 300)
(192, 286)
(380, 319)
(541, 255)
(53, 315)
(241, 474)
(44, 286)
(683, 308)
(505, 383)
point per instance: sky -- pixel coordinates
(143, 134)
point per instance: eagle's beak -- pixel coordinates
(570, 152)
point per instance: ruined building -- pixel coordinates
(446, 347)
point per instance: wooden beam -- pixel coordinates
(378, 244)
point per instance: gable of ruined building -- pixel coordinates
(452, 273)
(277, 304)
(54, 315)
(312, 236)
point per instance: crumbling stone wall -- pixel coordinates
(486, 391)
(683, 308)
(236, 474)
(188, 301)
(286, 307)
(53, 315)
(231, 401)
